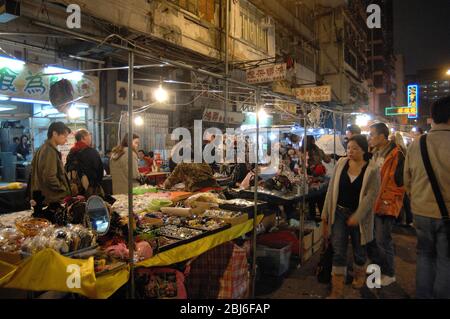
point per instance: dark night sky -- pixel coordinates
(422, 33)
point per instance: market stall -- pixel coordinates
(148, 228)
(163, 239)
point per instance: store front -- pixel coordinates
(26, 113)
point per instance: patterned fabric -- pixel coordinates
(221, 273)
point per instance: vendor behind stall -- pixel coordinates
(23, 149)
(144, 163)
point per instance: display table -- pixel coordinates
(13, 200)
(279, 198)
(156, 177)
(48, 270)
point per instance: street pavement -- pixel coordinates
(301, 283)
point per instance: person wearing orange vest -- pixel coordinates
(390, 159)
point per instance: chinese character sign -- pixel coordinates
(267, 73)
(31, 82)
(402, 110)
(314, 94)
(142, 96)
(218, 116)
(413, 100)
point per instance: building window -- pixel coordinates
(306, 16)
(305, 55)
(378, 81)
(252, 30)
(188, 5)
(350, 58)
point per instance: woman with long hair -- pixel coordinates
(119, 165)
(23, 149)
(348, 212)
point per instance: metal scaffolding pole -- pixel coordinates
(334, 137)
(305, 191)
(227, 27)
(130, 172)
(255, 212)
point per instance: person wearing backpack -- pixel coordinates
(84, 166)
(427, 181)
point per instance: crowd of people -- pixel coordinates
(366, 193)
(365, 197)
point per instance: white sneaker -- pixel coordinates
(386, 280)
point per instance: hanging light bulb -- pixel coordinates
(74, 113)
(138, 120)
(160, 94)
(262, 115)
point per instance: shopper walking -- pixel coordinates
(119, 165)
(348, 211)
(429, 208)
(390, 159)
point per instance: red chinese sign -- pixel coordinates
(314, 94)
(267, 73)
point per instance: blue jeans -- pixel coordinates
(339, 240)
(433, 262)
(381, 251)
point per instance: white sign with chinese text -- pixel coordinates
(31, 82)
(218, 116)
(142, 96)
(267, 73)
(287, 107)
(314, 94)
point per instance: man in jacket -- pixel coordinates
(433, 261)
(390, 159)
(84, 166)
(49, 183)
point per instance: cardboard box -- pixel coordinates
(307, 239)
(317, 247)
(316, 228)
(307, 253)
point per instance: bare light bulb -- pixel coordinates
(138, 120)
(262, 115)
(74, 113)
(161, 94)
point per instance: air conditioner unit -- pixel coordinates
(9, 10)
